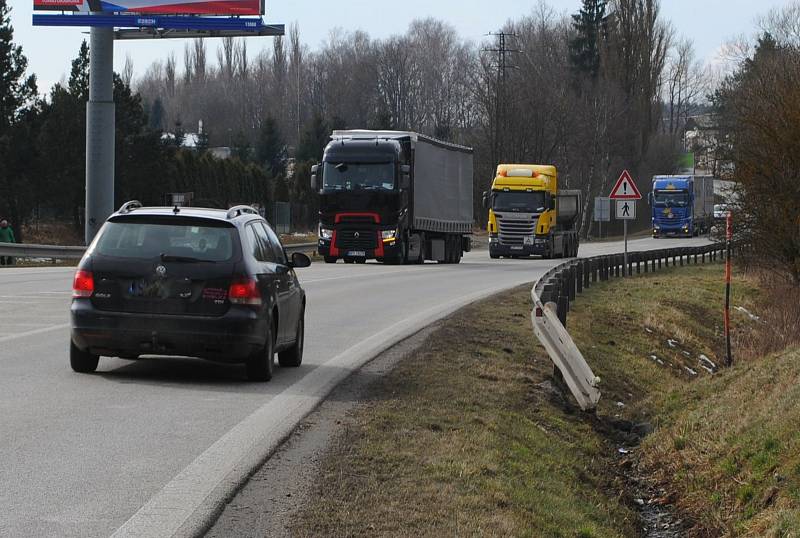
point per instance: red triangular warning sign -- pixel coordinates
(625, 189)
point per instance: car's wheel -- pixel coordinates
(494, 256)
(261, 364)
(82, 361)
(330, 259)
(293, 357)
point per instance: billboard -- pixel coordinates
(156, 7)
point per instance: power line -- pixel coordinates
(501, 102)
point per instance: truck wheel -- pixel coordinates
(81, 361)
(361, 260)
(330, 259)
(349, 260)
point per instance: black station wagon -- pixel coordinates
(193, 282)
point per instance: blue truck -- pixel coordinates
(682, 205)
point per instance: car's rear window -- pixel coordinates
(149, 239)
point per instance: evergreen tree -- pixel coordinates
(156, 117)
(271, 148)
(241, 148)
(313, 140)
(79, 74)
(16, 90)
(591, 25)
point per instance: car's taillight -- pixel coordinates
(244, 292)
(83, 284)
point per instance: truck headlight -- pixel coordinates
(325, 233)
(388, 235)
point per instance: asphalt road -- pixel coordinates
(153, 447)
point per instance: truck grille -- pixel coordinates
(514, 230)
(347, 240)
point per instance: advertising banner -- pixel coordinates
(156, 7)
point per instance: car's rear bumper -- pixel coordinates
(230, 338)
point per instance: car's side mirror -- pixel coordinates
(300, 260)
(485, 200)
(314, 171)
(650, 198)
(405, 176)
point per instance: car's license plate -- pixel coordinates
(356, 253)
(516, 248)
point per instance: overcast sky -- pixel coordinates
(708, 22)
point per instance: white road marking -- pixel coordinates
(35, 332)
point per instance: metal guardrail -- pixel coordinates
(554, 291)
(54, 252)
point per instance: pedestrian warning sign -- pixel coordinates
(626, 209)
(625, 189)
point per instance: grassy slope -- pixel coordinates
(462, 439)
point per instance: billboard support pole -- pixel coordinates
(100, 130)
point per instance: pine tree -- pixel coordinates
(591, 25)
(79, 74)
(313, 140)
(271, 148)
(156, 117)
(16, 90)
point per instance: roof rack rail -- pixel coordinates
(127, 207)
(239, 210)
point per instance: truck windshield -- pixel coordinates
(521, 202)
(671, 199)
(358, 176)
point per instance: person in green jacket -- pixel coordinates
(6, 236)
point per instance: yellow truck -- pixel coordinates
(529, 216)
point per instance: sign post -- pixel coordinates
(625, 193)
(602, 212)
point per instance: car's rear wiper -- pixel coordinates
(182, 259)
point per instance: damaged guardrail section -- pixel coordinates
(553, 293)
(54, 252)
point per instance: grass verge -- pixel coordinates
(466, 438)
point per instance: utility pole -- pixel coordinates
(501, 103)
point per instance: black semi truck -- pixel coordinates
(397, 197)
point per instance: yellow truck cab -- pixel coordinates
(528, 215)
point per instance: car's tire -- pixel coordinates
(494, 256)
(293, 357)
(81, 361)
(330, 259)
(261, 364)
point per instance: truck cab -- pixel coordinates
(527, 214)
(362, 197)
(682, 205)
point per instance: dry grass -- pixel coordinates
(727, 447)
(461, 441)
(52, 233)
